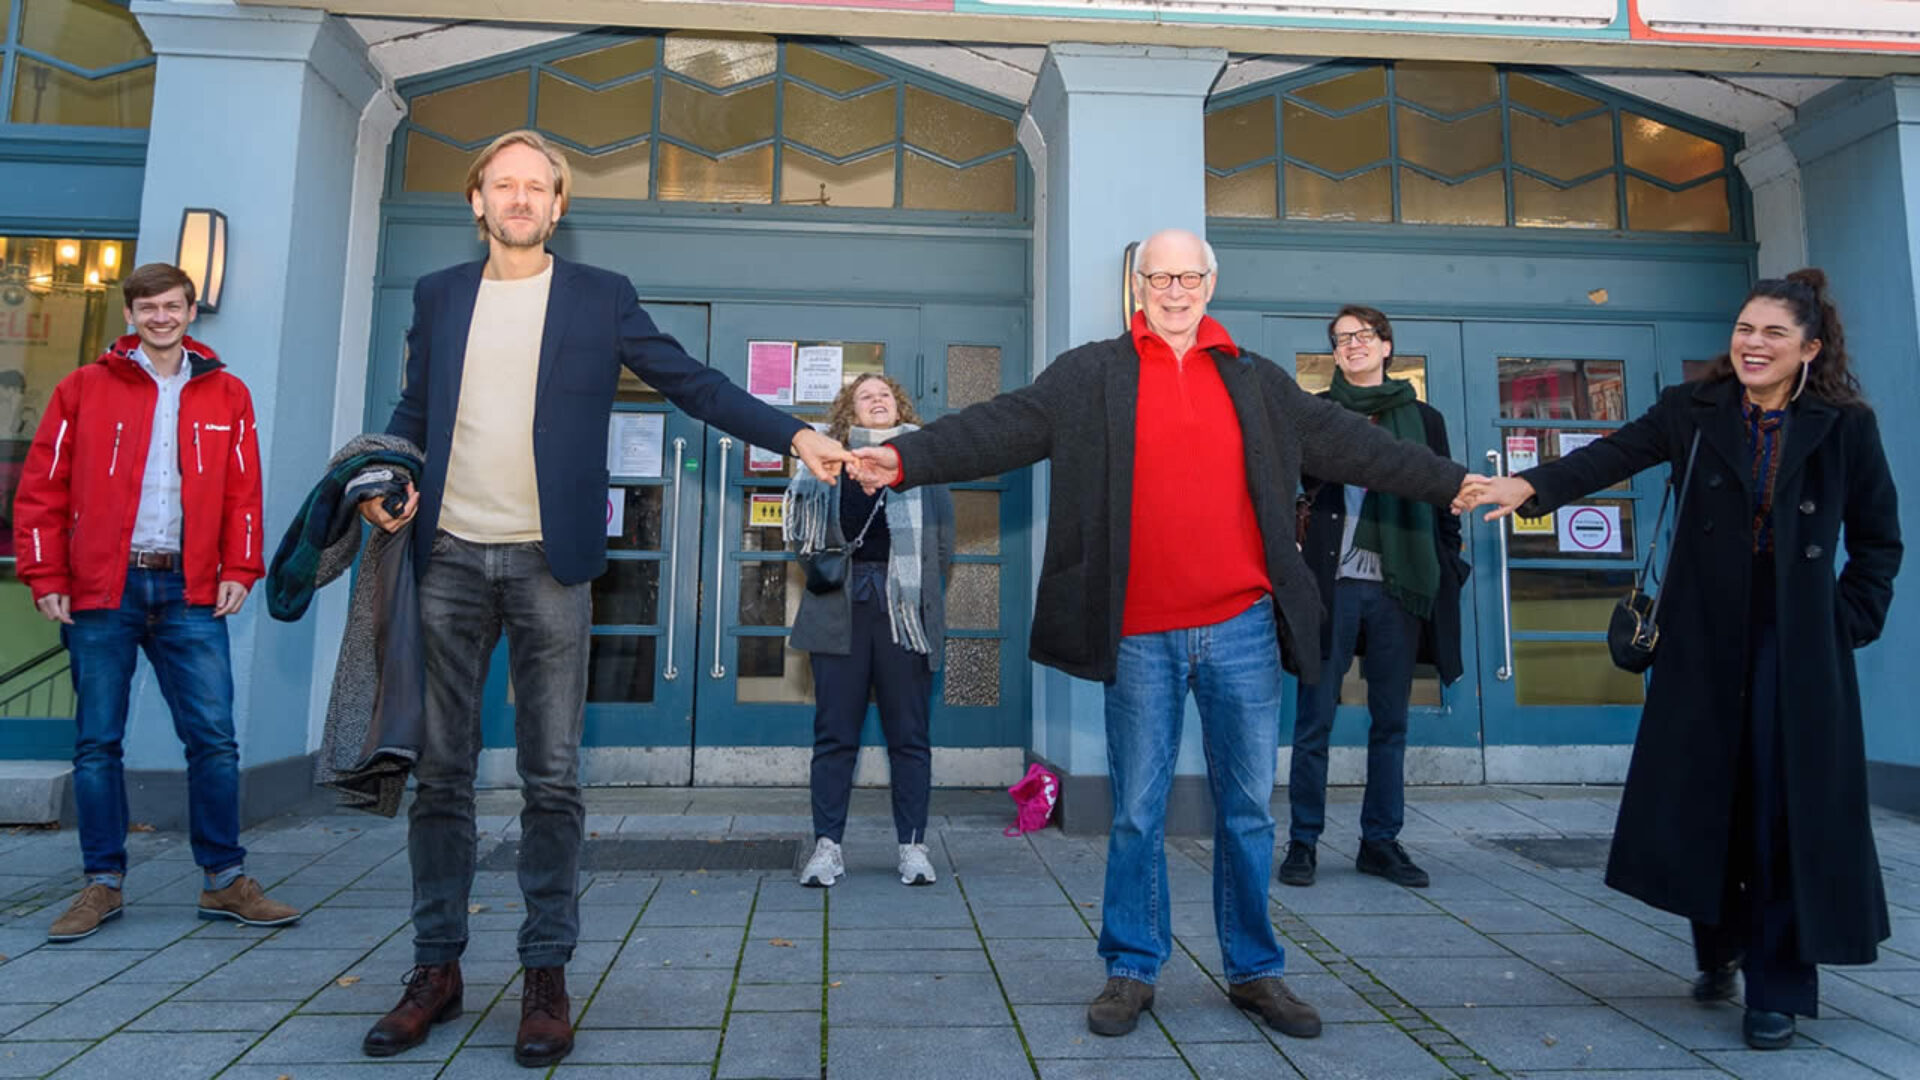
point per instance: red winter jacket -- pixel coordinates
(79, 493)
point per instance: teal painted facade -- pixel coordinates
(1859, 152)
(327, 243)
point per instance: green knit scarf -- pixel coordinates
(1400, 530)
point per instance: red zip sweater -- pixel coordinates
(79, 493)
(1195, 556)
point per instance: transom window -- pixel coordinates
(81, 63)
(704, 117)
(1437, 143)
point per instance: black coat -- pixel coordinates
(1081, 415)
(1670, 847)
(1440, 632)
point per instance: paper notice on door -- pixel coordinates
(770, 371)
(634, 442)
(1574, 440)
(765, 511)
(760, 459)
(616, 511)
(1523, 452)
(817, 373)
(1590, 530)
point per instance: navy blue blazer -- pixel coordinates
(594, 324)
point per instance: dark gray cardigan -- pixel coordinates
(824, 623)
(1080, 413)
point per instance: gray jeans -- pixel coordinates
(469, 595)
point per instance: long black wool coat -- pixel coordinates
(1670, 847)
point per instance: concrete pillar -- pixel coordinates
(1116, 134)
(1858, 145)
(257, 113)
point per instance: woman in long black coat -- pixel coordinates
(1745, 806)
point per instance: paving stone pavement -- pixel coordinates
(1504, 967)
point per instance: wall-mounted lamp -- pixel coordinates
(110, 257)
(67, 252)
(203, 254)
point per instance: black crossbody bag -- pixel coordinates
(1634, 631)
(827, 568)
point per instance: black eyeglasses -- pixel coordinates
(1161, 279)
(1362, 337)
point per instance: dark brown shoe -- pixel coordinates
(546, 1026)
(433, 996)
(1276, 1004)
(1117, 1010)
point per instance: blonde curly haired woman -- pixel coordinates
(880, 631)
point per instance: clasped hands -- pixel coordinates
(872, 467)
(1503, 493)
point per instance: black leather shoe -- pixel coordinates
(1117, 1010)
(1276, 1004)
(1390, 861)
(1298, 867)
(1768, 1030)
(1715, 984)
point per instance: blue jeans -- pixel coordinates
(1233, 670)
(1393, 637)
(470, 595)
(187, 647)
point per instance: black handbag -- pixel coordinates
(827, 568)
(1633, 633)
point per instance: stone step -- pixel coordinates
(31, 792)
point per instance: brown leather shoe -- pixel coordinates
(95, 905)
(546, 1028)
(1274, 1001)
(1117, 1010)
(243, 902)
(433, 996)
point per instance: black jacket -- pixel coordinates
(1670, 846)
(1440, 633)
(1081, 415)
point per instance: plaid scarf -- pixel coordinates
(810, 505)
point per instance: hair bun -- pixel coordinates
(1812, 277)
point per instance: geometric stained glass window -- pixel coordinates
(74, 63)
(725, 118)
(1441, 143)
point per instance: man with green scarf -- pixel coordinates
(1389, 571)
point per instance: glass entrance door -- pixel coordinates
(1545, 587)
(1427, 353)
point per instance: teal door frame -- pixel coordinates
(1591, 581)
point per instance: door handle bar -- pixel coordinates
(1505, 673)
(669, 671)
(719, 670)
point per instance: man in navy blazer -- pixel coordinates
(511, 369)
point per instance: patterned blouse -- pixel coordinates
(1763, 430)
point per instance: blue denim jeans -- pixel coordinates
(1233, 671)
(187, 647)
(470, 595)
(1393, 638)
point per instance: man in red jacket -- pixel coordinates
(137, 526)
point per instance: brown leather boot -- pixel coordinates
(433, 996)
(546, 1027)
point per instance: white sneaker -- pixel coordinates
(915, 867)
(824, 866)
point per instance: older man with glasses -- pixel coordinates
(1170, 569)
